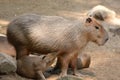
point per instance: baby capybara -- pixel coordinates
(34, 66)
(48, 34)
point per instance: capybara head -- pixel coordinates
(49, 58)
(96, 32)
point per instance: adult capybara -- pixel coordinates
(6, 47)
(47, 34)
(34, 66)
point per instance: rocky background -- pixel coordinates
(105, 64)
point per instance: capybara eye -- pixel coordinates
(96, 27)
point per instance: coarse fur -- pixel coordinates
(47, 34)
(34, 66)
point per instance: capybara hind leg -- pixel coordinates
(21, 51)
(73, 64)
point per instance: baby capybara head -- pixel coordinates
(49, 58)
(96, 32)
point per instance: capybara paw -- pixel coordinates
(62, 75)
(77, 74)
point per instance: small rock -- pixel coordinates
(12, 76)
(69, 78)
(7, 64)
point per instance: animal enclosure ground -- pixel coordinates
(105, 63)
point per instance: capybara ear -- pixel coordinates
(88, 20)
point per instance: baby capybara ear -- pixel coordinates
(88, 20)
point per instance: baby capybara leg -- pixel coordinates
(40, 75)
(21, 51)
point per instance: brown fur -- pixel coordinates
(47, 34)
(34, 66)
(6, 47)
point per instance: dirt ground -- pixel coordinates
(105, 63)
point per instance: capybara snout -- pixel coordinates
(104, 38)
